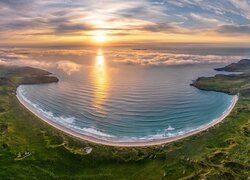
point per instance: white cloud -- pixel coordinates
(204, 19)
(243, 7)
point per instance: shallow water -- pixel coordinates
(99, 97)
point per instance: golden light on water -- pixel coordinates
(100, 81)
(100, 62)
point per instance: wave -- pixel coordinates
(92, 132)
(65, 121)
(42, 112)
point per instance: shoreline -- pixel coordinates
(153, 142)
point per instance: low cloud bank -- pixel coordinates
(71, 60)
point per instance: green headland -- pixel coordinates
(31, 149)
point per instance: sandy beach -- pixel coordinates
(150, 142)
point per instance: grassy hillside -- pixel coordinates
(31, 149)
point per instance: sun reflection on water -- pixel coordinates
(100, 81)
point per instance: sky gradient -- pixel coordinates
(116, 22)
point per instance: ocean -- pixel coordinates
(125, 95)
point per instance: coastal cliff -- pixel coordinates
(231, 84)
(15, 75)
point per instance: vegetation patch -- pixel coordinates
(3, 128)
(246, 131)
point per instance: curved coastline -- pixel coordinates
(151, 142)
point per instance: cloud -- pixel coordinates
(234, 29)
(27, 20)
(68, 66)
(160, 28)
(174, 28)
(153, 58)
(204, 19)
(20, 4)
(68, 63)
(72, 28)
(25, 57)
(242, 7)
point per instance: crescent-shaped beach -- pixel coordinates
(151, 142)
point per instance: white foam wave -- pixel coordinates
(170, 128)
(68, 122)
(91, 132)
(47, 114)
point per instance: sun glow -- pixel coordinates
(100, 37)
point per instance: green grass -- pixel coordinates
(31, 149)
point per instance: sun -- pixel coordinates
(100, 37)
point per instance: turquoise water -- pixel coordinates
(118, 101)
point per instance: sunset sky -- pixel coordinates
(116, 22)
